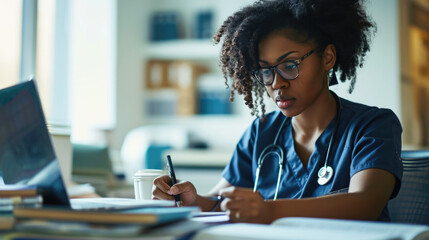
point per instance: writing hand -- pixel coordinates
(163, 191)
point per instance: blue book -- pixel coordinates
(214, 102)
(142, 216)
(52, 228)
(42, 230)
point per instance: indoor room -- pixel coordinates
(124, 83)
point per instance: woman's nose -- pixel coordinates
(279, 81)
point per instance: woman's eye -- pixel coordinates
(287, 66)
(265, 72)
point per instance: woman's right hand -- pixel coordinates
(161, 190)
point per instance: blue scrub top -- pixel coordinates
(367, 137)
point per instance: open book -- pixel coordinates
(316, 228)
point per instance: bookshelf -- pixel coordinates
(188, 46)
(191, 55)
(136, 49)
(220, 132)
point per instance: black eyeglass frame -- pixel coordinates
(296, 62)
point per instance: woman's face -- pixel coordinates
(293, 97)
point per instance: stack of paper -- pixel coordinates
(16, 195)
(131, 222)
(176, 230)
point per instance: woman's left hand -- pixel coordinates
(244, 205)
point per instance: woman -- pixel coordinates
(319, 155)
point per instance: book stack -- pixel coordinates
(12, 196)
(67, 222)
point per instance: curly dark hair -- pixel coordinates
(343, 23)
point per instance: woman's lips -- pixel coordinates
(283, 102)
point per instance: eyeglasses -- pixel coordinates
(288, 70)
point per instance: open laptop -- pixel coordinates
(27, 156)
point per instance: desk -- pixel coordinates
(285, 228)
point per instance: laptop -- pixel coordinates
(27, 155)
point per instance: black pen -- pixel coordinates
(173, 179)
(218, 200)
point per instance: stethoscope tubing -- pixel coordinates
(324, 176)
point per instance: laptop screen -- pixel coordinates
(26, 152)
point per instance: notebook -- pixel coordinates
(27, 155)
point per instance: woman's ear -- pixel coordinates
(329, 57)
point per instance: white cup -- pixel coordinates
(143, 183)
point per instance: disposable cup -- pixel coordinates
(143, 183)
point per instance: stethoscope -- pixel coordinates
(324, 174)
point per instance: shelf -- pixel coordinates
(186, 49)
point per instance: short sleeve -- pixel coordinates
(238, 172)
(378, 144)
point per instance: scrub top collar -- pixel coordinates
(318, 157)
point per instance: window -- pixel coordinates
(10, 42)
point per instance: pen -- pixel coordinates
(173, 179)
(218, 200)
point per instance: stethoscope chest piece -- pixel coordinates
(325, 174)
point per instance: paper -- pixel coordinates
(211, 217)
(312, 228)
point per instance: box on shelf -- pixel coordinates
(156, 74)
(172, 87)
(204, 25)
(213, 97)
(161, 102)
(187, 74)
(165, 26)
